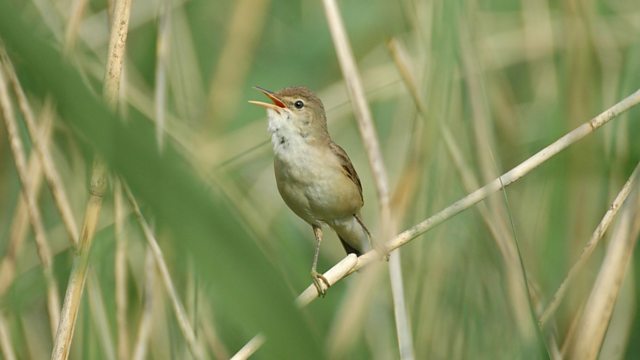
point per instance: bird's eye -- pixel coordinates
(298, 104)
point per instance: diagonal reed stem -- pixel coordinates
(249, 348)
(20, 222)
(181, 314)
(597, 313)
(6, 348)
(35, 218)
(497, 184)
(50, 172)
(599, 232)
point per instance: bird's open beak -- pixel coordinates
(277, 103)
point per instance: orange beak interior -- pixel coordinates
(277, 103)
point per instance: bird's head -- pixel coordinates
(295, 108)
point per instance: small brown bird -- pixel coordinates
(315, 176)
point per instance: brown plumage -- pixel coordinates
(315, 176)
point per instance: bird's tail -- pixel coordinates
(353, 234)
(348, 248)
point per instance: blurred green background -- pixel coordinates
(505, 77)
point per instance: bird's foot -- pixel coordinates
(318, 280)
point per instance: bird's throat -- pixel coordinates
(285, 135)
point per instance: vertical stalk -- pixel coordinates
(98, 185)
(73, 296)
(370, 139)
(121, 273)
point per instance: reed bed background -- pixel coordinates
(139, 216)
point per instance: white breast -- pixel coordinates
(310, 179)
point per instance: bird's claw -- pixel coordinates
(318, 279)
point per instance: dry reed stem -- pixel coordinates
(360, 109)
(514, 174)
(181, 314)
(40, 145)
(5, 340)
(376, 161)
(20, 223)
(249, 348)
(120, 273)
(599, 307)
(117, 41)
(599, 232)
(146, 320)
(497, 184)
(35, 218)
(401, 316)
(73, 295)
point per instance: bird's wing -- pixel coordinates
(347, 166)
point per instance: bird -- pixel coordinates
(314, 175)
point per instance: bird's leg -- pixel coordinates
(318, 278)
